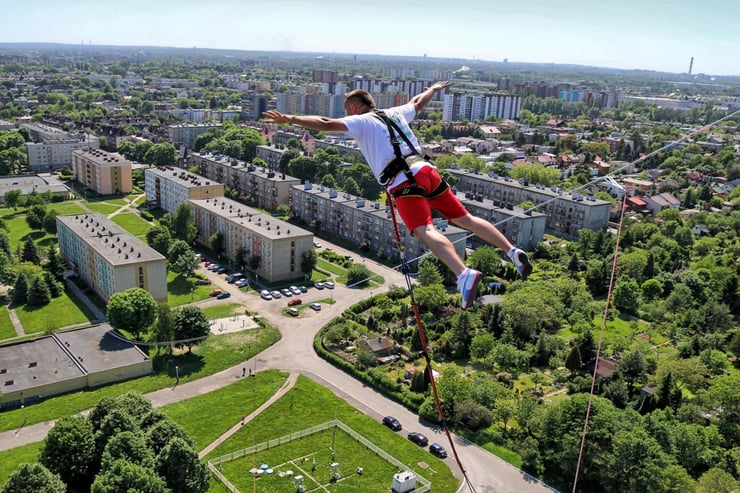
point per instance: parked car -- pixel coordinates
(438, 450)
(303, 289)
(221, 270)
(295, 301)
(329, 285)
(203, 282)
(213, 267)
(418, 438)
(294, 290)
(318, 285)
(232, 278)
(242, 282)
(392, 423)
(215, 292)
(348, 257)
(266, 295)
(316, 244)
(286, 292)
(276, 294)
(293, 311)
(223, 296)
(315, 306)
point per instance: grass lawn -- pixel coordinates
(6, 326)
(65, 208)
(215, 354)
(330, 267)
(133, 223)
(181, 290)
(11, 459)
(60, 312)
(103, 207)
(309, 404)
(223, 310)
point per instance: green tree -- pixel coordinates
(183, 227)
(128, 446)
(183, 471)
(308, 261)
(358, 275)
(30, 253)
(191, 323)
(69, 451)
(35, 216)
(716, 480)
(124, 476)
(50, 222)
(164, 328)
(160, 434)
(627, 296)
(55, 264)
(33, 478)
(573, 362)
(12, 198)
(633, 368)
(430, 297)
(38, 293)
(20, 289)
(132, 310)
(182, 258)
(429, 272)
(159, 238)
(485, 259)
(216, 243)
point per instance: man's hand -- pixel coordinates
(274, 116)
(441, 85)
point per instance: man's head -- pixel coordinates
(358, 102)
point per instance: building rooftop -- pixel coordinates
(29, 183)
(102, 157)
(111, 241)
(180, 176)
(251, 219)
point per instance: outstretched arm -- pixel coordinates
(420, 100)
(320, 123)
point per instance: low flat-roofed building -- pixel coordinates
(248, 232)
(109, 258)
(167, 187)
(186, 133)
(67, 361)
(103, 172)
(28, 184)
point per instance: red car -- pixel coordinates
(295, 301)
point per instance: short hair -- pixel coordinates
(360, 96)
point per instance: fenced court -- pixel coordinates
(327, 457)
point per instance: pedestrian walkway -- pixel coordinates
(17, 325)
(289, 383)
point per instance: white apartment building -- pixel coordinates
(108, 258)
(103, 172)
(167, 187)
(479, 106)
(567, 213)
(267, 188)
(248, 232)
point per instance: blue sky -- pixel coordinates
(631, 34)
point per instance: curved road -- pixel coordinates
(294, 352)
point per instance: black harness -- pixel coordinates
(399, 165)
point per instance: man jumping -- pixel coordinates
(417, 186)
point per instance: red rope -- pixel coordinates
(423, 341)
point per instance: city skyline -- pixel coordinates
(658, 35)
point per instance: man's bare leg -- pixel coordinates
(440, 247)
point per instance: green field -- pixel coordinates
(133, 223)
(102, 207)
(6, 326)
(60, 312)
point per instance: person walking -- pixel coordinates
(394, 155)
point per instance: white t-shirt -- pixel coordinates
(371, 135)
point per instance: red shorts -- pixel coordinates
(416, 211)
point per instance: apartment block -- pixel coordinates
(567, 213)
(103, 172)
(364, 223)
(166, 187)
(187, 133)
(268, 189)
(522, 228)
(248, 232)
(270, 155)
(479, 106)
(108, 258)
(52, 147)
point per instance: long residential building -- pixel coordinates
(248, 232)
(567, 213)
(167, 187)
(364, 223)
(108, 258)
(186, 133)
(480, 106)
(52, 147)
(103, 172)
(268, 189)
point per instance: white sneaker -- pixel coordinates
(467, 284)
